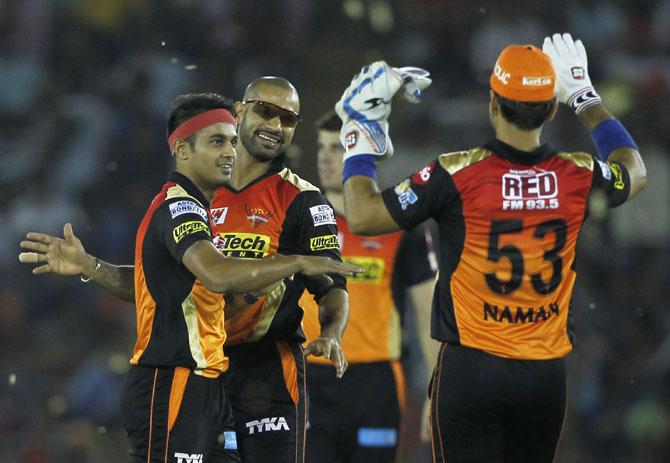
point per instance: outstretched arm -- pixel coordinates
(229, 275)
(66, 256)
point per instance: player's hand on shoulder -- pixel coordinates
(573, 84)
(63, 256)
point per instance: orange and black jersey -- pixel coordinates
(377, 296)
(508, 225)
(277, 213)
(179, 321)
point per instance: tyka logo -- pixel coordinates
(267, 424)
(529, 189)
(188, 458)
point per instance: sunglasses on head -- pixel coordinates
(269, 111)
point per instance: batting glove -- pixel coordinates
(366, 105)
(573, 83)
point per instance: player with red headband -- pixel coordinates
(173, 402)
(509, 214)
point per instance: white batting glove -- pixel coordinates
(366, 105)
(571, 64)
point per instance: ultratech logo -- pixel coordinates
(520, 315)
(187, 458)
(189, 228)
(529, 189)
(243, 245)
(267, 424)
(373, 269)
(320, 243)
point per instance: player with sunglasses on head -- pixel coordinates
(509, 214)
(265, 210)
(173, 402)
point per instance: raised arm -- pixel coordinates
(627, 156)
(364, 207)
(574, 88)
(66, 256)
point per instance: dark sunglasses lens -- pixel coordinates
(268, 111)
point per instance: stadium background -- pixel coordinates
(84, 88)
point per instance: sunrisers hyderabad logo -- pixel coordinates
(257, 215)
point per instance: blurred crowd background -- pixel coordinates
(84, 90)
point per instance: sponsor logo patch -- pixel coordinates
(605, 169)
(219, 215)
(257, 215)
(319, 243)
(535, 81)
(405, 194)
(377, 437)
(188, 458)
(351, 139)
(373, 269)
(529, 189)
(322, 214)
(501, 74)
(187, 207)
(421, 177)
(229, 440)
(189, 228)
(618, 175)
(243, 245)
(578, 73)
(267, 424)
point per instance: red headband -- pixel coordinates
(199, 122)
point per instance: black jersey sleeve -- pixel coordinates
(428, 193)
(416, 258)
(611, 178)
(180, 222)
(310, 228)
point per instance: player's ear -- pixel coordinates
(238, 111)
(181, 149)
(553, 112)
(494, 106)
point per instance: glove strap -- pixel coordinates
(362, 164)
(583, 99)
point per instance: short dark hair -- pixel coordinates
(525, 115)
(186, 106)
(329, 121)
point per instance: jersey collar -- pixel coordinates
(540, 154)
(189, 186)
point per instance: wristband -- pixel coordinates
(610, 135)
(98, 264)
(362, 164)
(584, 99)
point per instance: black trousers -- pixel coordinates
(355, 419)
(266, 387)
(488, 409)
(174, 415)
